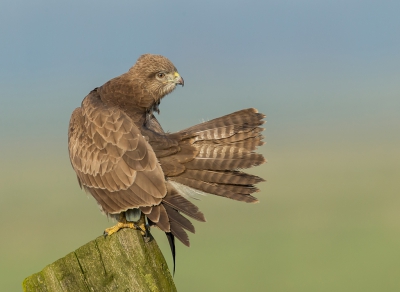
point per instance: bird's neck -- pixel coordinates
(131, 96)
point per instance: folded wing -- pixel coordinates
(112, 160)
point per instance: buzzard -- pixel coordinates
(134, 169)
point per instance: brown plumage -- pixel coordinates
(124, 159)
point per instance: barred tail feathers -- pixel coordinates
(224, 146)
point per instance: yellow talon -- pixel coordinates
(142, 228)
(123, 223)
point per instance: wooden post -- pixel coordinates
(120, 262)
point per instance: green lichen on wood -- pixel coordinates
(120, 262)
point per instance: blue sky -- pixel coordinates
(303, 63)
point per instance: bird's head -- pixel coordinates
(156, 75)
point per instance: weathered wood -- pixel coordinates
(120, 262)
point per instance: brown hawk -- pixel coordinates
(132, 168)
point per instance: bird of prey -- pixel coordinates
(134, 169)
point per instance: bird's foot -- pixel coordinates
(145, 231)
(123, 223)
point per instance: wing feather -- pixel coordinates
(112, 159)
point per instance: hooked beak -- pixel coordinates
(178, 79)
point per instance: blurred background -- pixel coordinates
(326, 74)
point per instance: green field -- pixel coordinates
(328, 220)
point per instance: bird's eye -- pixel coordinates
(160, 75)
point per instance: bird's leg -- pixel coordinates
(144, 228)
(141, 225)
(123, 223)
